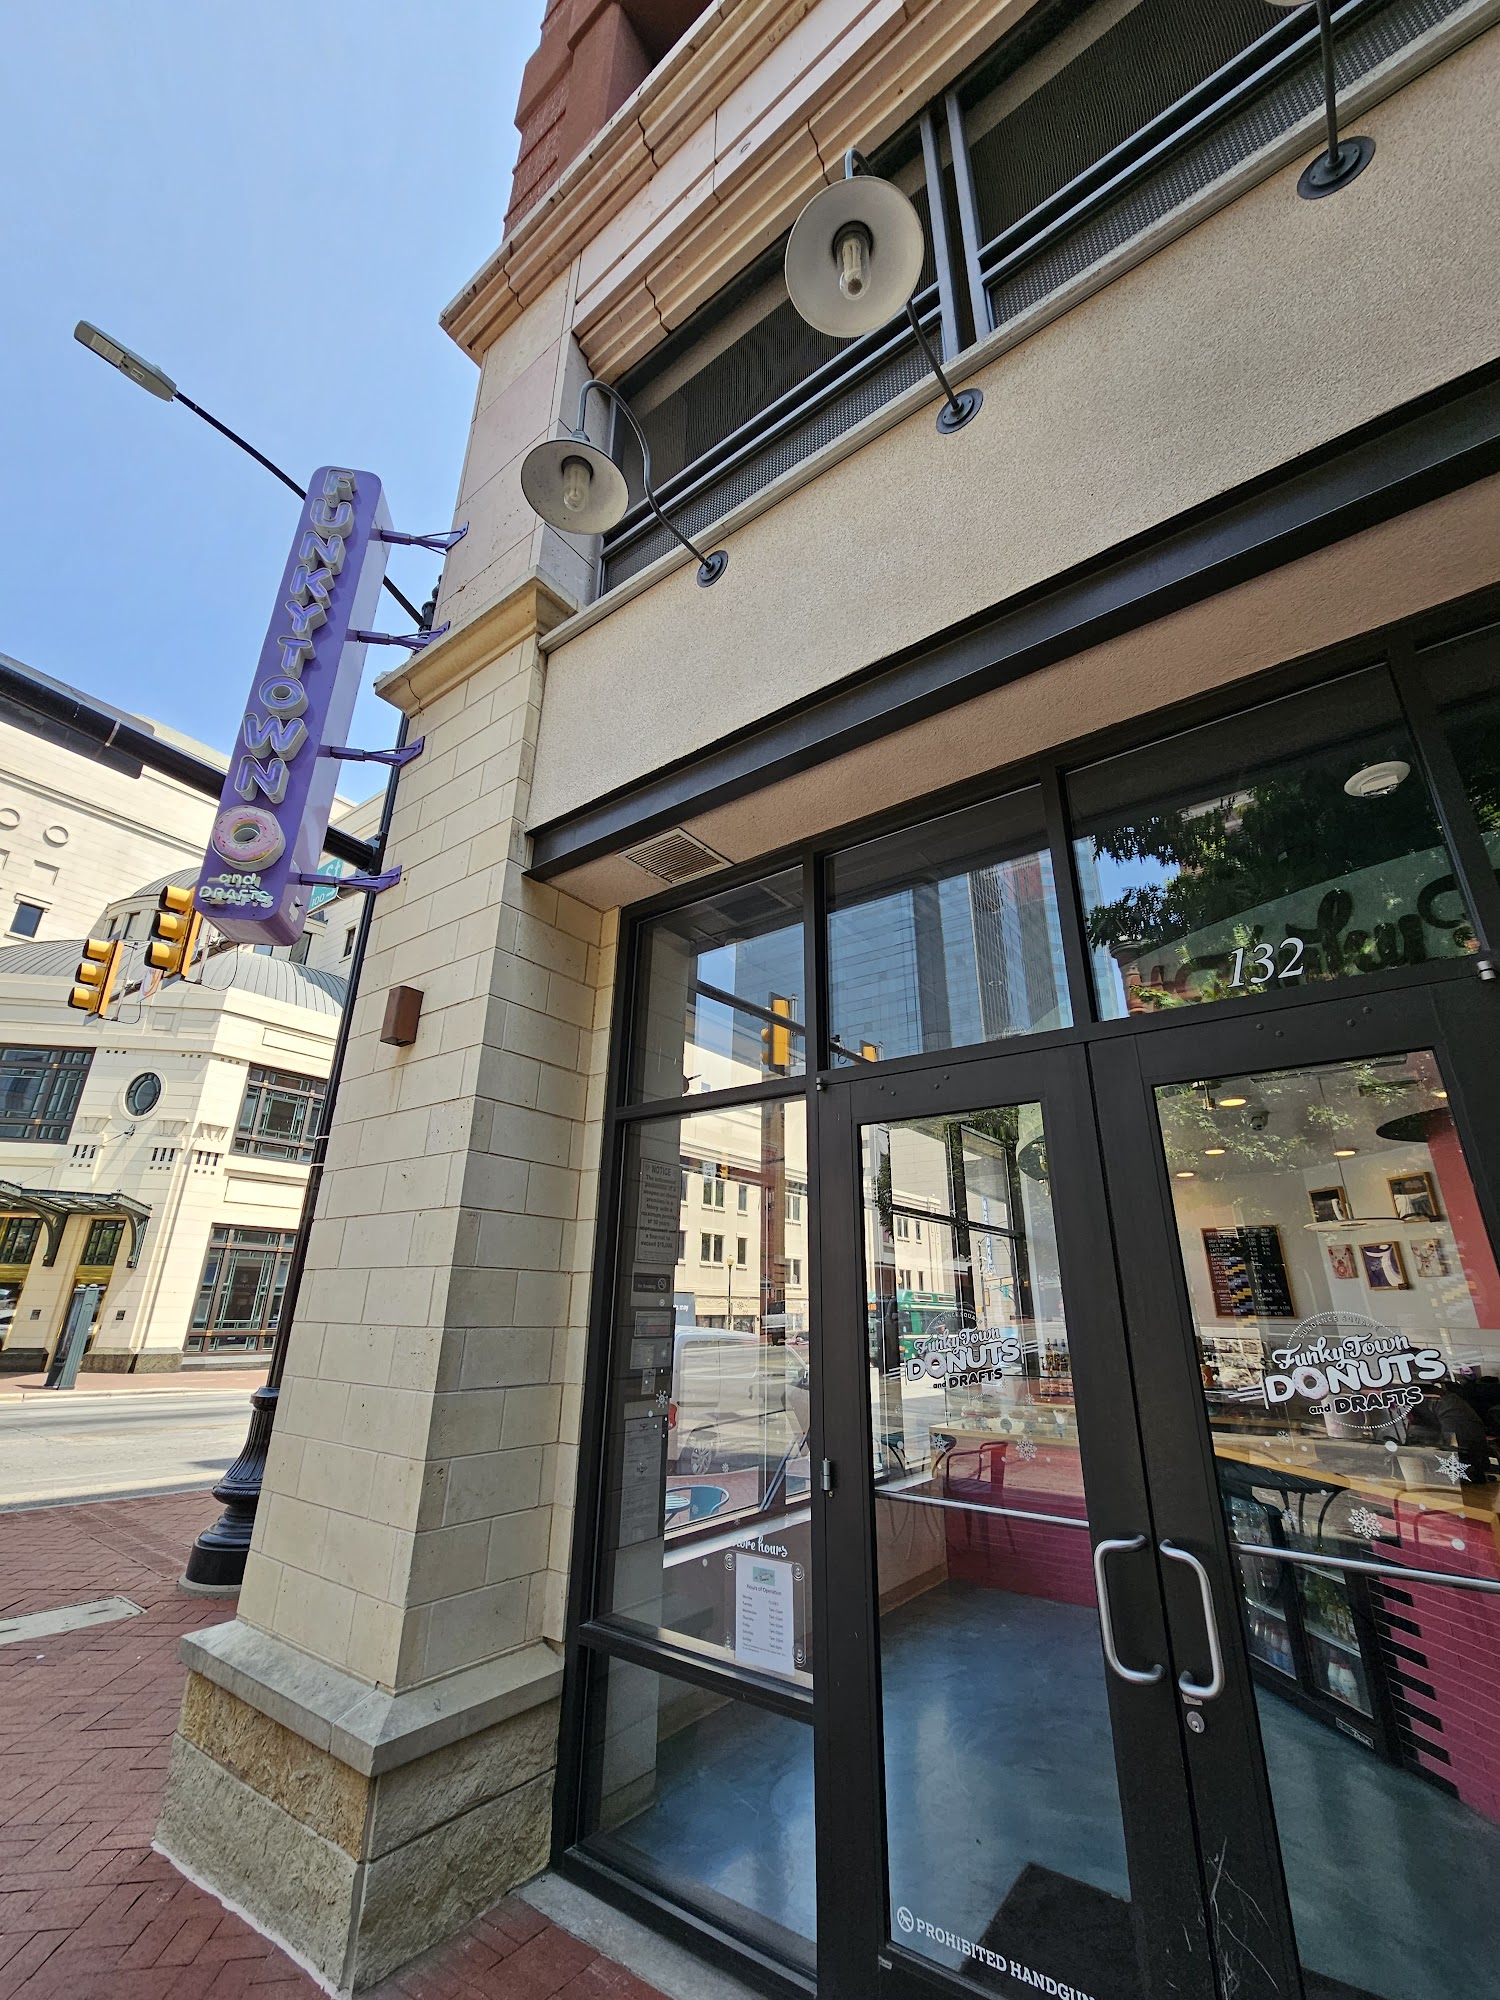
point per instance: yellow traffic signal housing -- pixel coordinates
(776, 1038)
(96, 975)
(174, 932)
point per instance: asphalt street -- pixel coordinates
(71, 1446)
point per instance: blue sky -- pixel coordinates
(273, 203)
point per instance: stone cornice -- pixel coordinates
(525, 612)
(883, 59)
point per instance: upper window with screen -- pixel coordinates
(720, 993)
(1290, 844)
(744, 389)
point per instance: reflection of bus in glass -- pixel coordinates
(921, 1315)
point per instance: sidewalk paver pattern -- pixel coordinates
(87, 1910)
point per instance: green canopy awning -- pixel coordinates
(55, 1205)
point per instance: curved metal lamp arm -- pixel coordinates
(710, 567)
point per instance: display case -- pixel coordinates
(1311, 1633)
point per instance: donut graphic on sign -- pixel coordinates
(248, 837)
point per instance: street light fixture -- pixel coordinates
(216, 1562)
(1343, 159)
(157, 382)
(576, 487)
(853, 260)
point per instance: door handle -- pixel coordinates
(1214, 1685)
(1137, 1676)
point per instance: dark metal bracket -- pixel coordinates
(371, 884)
(443, 541)
(397, 759)
(413, 641)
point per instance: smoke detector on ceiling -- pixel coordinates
(676, 856)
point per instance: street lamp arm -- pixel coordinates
(287, 480)
(581, 430)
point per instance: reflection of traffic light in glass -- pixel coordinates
(776, 1037)
(174, 932)
(94, 981)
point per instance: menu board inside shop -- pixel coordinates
(1247, 1270)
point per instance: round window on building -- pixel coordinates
(142, 1094)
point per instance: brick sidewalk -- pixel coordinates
(31, 1388)
(87, 1910)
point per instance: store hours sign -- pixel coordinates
(279, 791)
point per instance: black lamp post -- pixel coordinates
(216, 1563)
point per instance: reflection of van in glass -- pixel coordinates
(736, 1400)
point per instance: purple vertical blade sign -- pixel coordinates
(273, 812)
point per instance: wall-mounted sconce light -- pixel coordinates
(1344, 158)
(579, 489)
(852, 262)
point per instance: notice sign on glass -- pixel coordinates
(765, 1622)
(1247, 1270)
(658, 1200)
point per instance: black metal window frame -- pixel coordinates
(594, 1636)
(101, 1246)
(60, 1075)
(265, 1088)
(19, 1236)
(209, 1330)
(1270, 87)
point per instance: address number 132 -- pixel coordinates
(1259, 964)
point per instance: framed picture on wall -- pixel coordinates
(1414, 1197)
(1430, 1257)
(1342, 1261)
(1385, 1268)
(1329, 1204)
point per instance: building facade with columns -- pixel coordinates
(903, 1378)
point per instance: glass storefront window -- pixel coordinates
(707, 1510)
(721, 999)
(18, 1238)
(945, 934)
(102, 1245)
(709, 1798)
(991, 1675)
(240, 1292)
(1291, 844)
(39, 1091)
(1347, 1308)
(280, 1113)
(1464, 676)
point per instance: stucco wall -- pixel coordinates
(1270, 329)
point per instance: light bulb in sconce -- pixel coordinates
(852, 251)
(577, 481)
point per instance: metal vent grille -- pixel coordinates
(675, 856)
(1362, 47)
(1092, 87)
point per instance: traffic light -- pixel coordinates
(776, 1037)
(869, 1052)
(174, 932)
(96, 975)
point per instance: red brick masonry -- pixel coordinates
(86, 1720)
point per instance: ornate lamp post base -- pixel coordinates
(216, 1564)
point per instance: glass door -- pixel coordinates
(1004, 1779)
(1316, 1313)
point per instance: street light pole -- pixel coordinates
(216, 1562)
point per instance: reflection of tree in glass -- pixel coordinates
(1297, 829)
(1475, 736)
